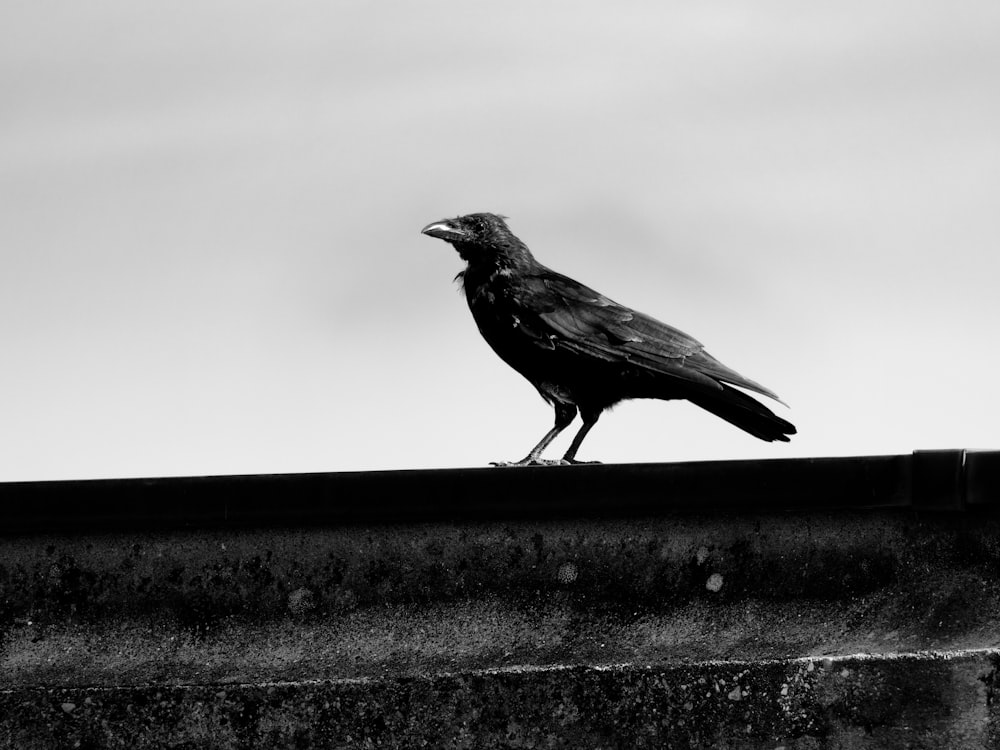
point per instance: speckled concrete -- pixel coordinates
(678, 631)
(926, 701)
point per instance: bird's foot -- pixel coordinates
(577, 462)
(529, 461)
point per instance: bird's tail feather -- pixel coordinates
(747, 413)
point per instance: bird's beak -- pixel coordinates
(444, 230)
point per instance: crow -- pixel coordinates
(582, 351)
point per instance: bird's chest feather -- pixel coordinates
(492, 302)
(506, 324)
(514, 331)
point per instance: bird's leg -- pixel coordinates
(590, 418)
(565, 413)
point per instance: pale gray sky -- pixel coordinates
(210, 215)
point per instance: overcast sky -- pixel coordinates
(210, 215)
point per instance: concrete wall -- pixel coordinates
(641, 620)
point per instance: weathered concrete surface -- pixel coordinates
(207, 574)
(328, 603)
(687, 629)
(921, 701)
(463, 636)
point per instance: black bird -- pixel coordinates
(581, 350)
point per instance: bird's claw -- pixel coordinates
(530, 462)
(542, 462)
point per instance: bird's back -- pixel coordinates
(550, 327)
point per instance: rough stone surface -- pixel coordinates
(927, 701)
(684, 630)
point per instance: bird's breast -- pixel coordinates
(506, 327)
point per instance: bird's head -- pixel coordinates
(479, 238)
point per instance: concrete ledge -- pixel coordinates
(949, 480)
(279, 612)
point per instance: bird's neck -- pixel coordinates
(487, 271)
(502, 255)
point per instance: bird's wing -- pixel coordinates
(579, 319)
